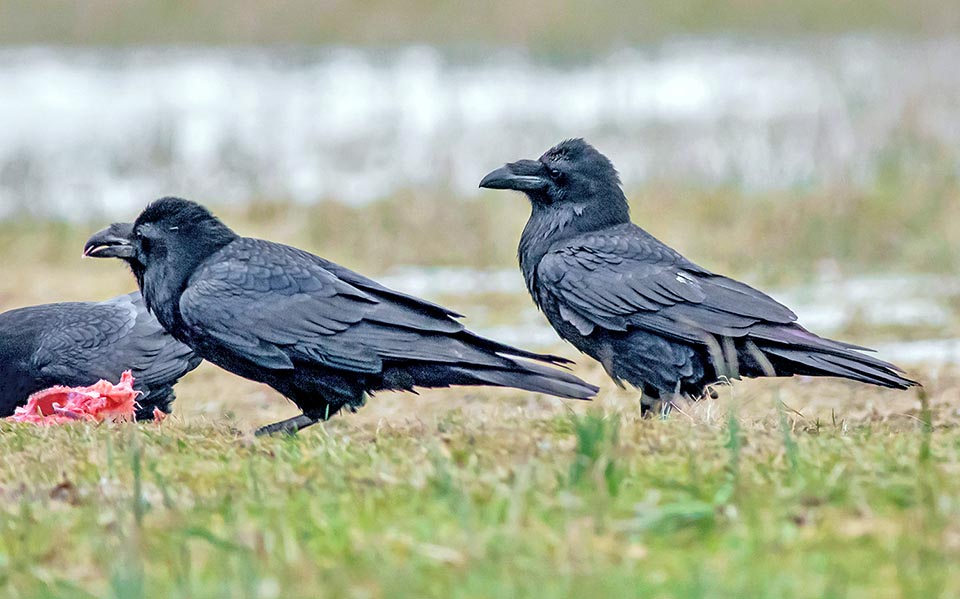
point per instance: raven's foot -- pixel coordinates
(647, 404)
(290, 426)
(666, 406)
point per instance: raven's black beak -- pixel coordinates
(112, 242)
(523, 175)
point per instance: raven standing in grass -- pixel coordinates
(318, 333)
(651, 317)
(78, 343)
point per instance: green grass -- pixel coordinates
(477, 494)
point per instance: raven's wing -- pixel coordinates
(370, 286)
(624, 277)
(86, 341)
(274, 305)
(76, 345)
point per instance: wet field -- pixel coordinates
(103, 130)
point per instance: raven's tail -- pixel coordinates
(515, 352)
(501, 371)
(794, 350)
(529, 377)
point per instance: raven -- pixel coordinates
(78, 343)
(651, 317)
(320, 334)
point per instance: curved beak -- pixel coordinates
(112, 242)
(523, 175)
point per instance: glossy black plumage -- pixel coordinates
(79, 343)
(318, 333)
(649, 315)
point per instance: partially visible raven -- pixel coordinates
(78, 343)
(318, 333)
(647, 314)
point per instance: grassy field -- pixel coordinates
(784, 488)
(495, 494)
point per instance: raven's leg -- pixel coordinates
(666, 406)
(648, 400)
(670, 401)
(289, 426)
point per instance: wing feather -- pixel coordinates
(276, 305)
(624, 278)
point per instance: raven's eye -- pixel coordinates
(555, 174)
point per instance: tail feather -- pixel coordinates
(798, 336)
(849, 365)
(795, 350)
(508, 350)
(531, 377)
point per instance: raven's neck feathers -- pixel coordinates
(209, 237)
(163, 281)
(137, 269)
(552, 224)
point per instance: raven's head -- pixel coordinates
(170, 233)
(571, 176)
(178, 230)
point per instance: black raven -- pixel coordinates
(647, 314)
(318, 333)
(79, 343)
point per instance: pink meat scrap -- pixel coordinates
(101, 401)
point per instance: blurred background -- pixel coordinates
(811, 147)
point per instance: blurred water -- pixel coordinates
(84, 131)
